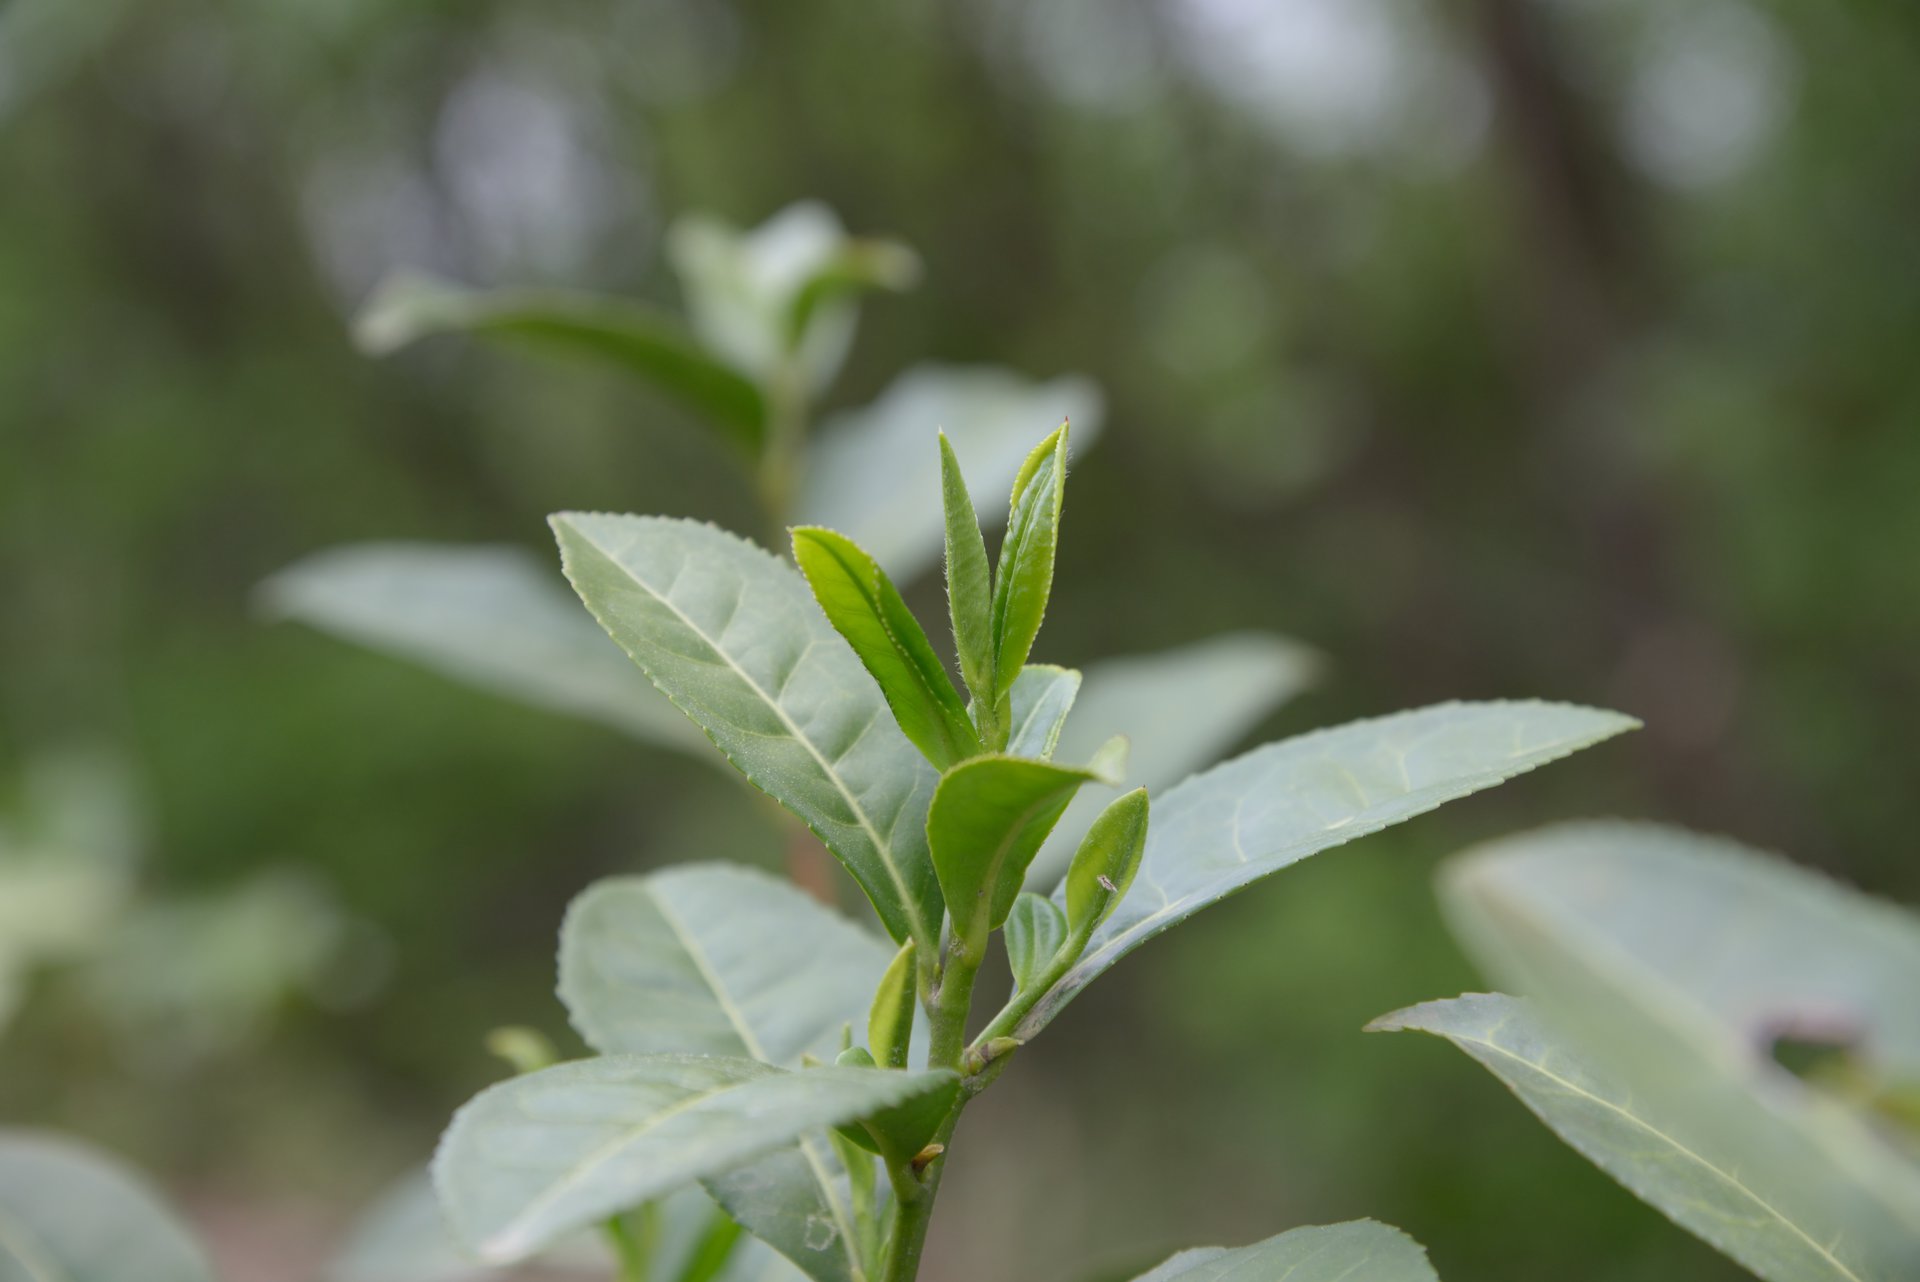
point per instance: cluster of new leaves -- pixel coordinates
(1666, 978)
(716, 996)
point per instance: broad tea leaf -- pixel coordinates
(534, 1157)
(733, 637)
(1743, 939)
(1357, 1251)
(490, 616)
(872, 472)
(718, 960)
(70, 1214)
(403, 1237)
(626, 335)
(1222, 830)
(1182, 708)
(1669, 963)
(715, 960)
(1041, 699)
(988, 817)
(1673, 1148)
(865, 608)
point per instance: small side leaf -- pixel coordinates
(1357, 1251)
(534, 1157)
(1106, 863)
(1042, 696)
(1035, 930)
(864, 607)
(890, 1023)
(1023, 577)
(988, 817)
(627, 335)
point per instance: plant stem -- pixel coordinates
(908, 1238)
(781, 453)
(1027, 998)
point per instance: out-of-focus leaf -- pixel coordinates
(627, 335)
(1181, 708)
(1744, 940)
(534, 1157)
(1104, 868)
(1041, 699)
(714, 960)
(1357, 1251)
(783, 290)
(1784, 1210)
(1023, 575)
(1035, 930)
(490, 616)
(864, 607)
(403, 1237)
(988, 817)
(1222, 830)
(795, 1218)
(1667, 964)
(67, 1212)
(872, 472)
(733, 637)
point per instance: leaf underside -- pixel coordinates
(1357, 1251)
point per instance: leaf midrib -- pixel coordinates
(883, 848)
(738, 1019)
(1725, 1176)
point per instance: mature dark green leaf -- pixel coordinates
(1023, 576)
(1035, 930)
(69, 1214)
(1700, 1144)
(1222, 830)
(733, 637)
(989, 816)
(535, 1157)
(716, 960)
(628, 335)
(871, 472)
(490, 616)
(1357, 1251)
(1041, 699)
(864, 607)
(1108, 859)
(1182, 708)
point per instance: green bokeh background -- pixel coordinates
(1498, 347)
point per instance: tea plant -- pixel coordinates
(1670, 981)
(806, 1076)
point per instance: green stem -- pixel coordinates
(908, 1239)
(1027, 998)
(781, 454)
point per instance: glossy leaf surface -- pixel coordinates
(1034, 931)
(733, 637)
(969, 577)
(989, 816)
(1226, 828)
(1107, 862)
(1023, 574)
(864, 607)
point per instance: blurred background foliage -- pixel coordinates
(1495, 347)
